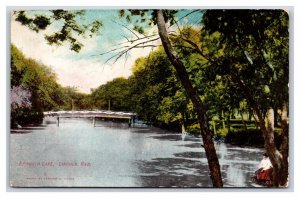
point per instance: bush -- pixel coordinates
(222, 133)
(23, 116)
(250, 137)
(194, 129)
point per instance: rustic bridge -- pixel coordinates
(115, 115)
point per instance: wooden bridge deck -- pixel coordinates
(91, 114)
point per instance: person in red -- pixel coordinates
(265, 169)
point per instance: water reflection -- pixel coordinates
(237, 164)
(183, 135)
(124, 157)
(235, 176)
(222, 150)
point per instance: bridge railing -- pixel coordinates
(92, 114)
(89, 113)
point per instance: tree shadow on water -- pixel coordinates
(174, 137)
(196, 155)
(25, 130)
(173, 172)
(189, 169)
(193, 145)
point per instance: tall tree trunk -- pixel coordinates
(183, 76)
(268, 133)
(284, 143)
(270, 146)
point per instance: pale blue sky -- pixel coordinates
(86, 70)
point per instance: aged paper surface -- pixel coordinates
(149, 98)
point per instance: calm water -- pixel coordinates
(112, 155)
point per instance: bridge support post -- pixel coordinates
(94, 121)
(57, 121)
(130, 122)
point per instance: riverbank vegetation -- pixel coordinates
(152, 91)
(34, 89)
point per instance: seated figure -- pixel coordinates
(264, 172)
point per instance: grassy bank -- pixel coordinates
(239, 133)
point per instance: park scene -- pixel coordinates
(160, 98)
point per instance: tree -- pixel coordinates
(34, 90)
(154, 87)
(31, 83)
(113, 95)
(255, 58)
(70, 99)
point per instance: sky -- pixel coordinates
(87, 69)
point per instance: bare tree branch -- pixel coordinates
(126, 48)
(185, 16)
(139, 39)
(119, 55)
(139, 42)
(126, 58)
(107, 52)
(125, 38)
(127, 28)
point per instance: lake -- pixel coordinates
(111, 154)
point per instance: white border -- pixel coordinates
(144, 3)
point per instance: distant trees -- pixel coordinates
(34, 89)
(70, 99)
(35, 83)
(114, 95)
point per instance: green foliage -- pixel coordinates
(152, 91)
(255, 45)
(172, 108)
(139, 65)
(38, 78)
(194, 129)
(46, 93)
(70, 99)
(69, 26)
(25, 116)
(114, 95)
(222, 132)
(158, 96)
(39, 22)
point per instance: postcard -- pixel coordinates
(160, 98)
